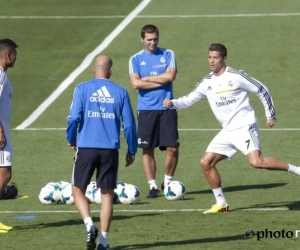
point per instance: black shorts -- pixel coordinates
(104, 161)
(157, 128)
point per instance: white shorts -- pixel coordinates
(245, 140)
(6, 156)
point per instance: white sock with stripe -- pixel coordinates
(218, 192)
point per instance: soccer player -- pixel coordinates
(98, 107)
(8, 56)
(152, 71)
(226, 90)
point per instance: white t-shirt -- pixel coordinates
(228, 98)
(5, 101)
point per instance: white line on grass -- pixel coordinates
(155, 16)
(220, 15)
(63, 17)
(86, 62)
(141, 210)
(180, 129)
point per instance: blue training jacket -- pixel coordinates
(95, 116)
(149, 64)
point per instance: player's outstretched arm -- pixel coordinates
(271, 122)
(184, 101)
(167, 103)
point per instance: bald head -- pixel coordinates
(103, 66)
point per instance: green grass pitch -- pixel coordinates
(265, 45)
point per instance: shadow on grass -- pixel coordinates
(73, 222)
(285, 205)
(241, 188)
(181, 242)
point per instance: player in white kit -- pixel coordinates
(8, 56)
(226, 90)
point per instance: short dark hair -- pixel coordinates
(7, 44)
(218, 47)
(149, 28)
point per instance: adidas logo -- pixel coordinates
(209, 88)
(143, 63)
(102, 95)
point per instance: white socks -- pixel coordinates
(103, 235)
(220, 197)
(294, 169)
(152, 184)
(103, 238)
(88, 223)
(167, 179)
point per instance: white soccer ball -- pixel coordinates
(118, 190)
(129, 194)
(97, 195)
(89, 193)
(175, 190)
(50, 194)
(62, 184)
(121, 184)
(116, 198)
(66, 195)
(92, 184)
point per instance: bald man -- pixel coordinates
(93, 130)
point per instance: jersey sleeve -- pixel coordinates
(129, 125)
(2, 81)
(252, 85)
(133, 66)
(74, 118)
(188, 100)
(171, 59)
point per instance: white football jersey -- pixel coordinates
(228, 98)
(5, 101)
